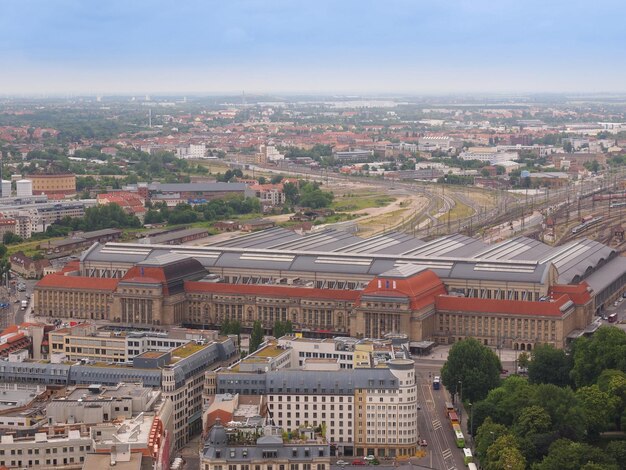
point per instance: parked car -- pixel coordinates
(358, 462)
(423, 442)
(342, 463)
(369, 457)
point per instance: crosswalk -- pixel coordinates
(436, 424)
(447, 454)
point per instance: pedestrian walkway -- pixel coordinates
(440, 353)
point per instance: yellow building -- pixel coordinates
(54, 185)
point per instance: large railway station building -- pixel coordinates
(517, 293)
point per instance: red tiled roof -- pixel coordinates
(77, 282)
(511, 307)
(421, 288)
(71, 266)
(579, 293)
(270, 291)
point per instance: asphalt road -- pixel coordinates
(442, 452)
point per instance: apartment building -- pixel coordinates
(366, 411)
(238, 449)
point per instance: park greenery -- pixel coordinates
(95, 218)
(307, 194)
(218, 209)
(569, 413)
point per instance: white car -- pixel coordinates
(342, 462)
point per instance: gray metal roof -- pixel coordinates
(326, 240)
(610, 272)
(169, 236)
(578, 259)
(262, 239)
(457, 256)
(391, 243)
(516, 248)
(452, 245)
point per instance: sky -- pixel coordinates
(312, 46)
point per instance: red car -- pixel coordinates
(358, 462)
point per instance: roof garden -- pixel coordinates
(187, 350)
(270, 350)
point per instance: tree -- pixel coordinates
(567, 455)
(533, 420)
(256, 338)
(549, 365)
(5, 270)
(472, 366)
(225, 329)
(9, 238)
(598, 408)
(487, 434)
(523, 360)
(276, 179)
(613, 382)
(606, 349)
(617, 450)
(504, 454)
(312, 196)
(282, 328)
(291, 193)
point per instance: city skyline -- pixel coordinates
(397, 46)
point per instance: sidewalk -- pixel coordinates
(440, 353)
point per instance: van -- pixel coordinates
(24, 304)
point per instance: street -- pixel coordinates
(433, 424)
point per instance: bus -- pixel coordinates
(459, 438)
(472, 466)
(467, 455)
(453, 417)
(436, 382)
(449, 407)
(613, 318)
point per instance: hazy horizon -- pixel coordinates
(395, 47)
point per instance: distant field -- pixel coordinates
(356, 202)
(460, 211)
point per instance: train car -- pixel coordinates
(584, 226)
(615, 205)
(609, 197)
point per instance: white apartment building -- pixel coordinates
(366, 411)
(488, 155)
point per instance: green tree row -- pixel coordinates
(217, 209)
(555, 418)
